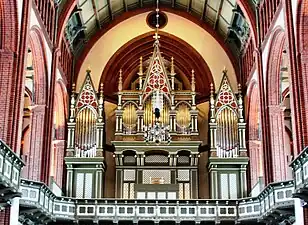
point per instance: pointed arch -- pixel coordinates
(254, 142)
(40, 65)
(275, 110)
(60, 115)
(38, 108)
(60, 109)
(273, 66)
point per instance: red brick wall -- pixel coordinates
(47, 12)
(267, 15)
(247, 61)
(5, 216)
(6, 66)
(8, 50)
(302, 58)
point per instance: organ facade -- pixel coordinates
(157, 142)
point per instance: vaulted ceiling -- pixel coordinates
(223, 16)
(86, 21)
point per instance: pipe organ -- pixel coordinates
(177, 108)
(84, 155)
(156, 138)
(157, 142)
(228, 154)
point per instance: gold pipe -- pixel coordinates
(85, 129)
(223, 128)
(77, 131)
(229, 130)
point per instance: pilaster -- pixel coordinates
(276, 118)
(36, 142)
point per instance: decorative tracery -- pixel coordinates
(157, 79)
(226, 96)
(87, 95)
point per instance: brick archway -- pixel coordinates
(273, 67)
(39, 62)
(254, 142)
(38, 130)
(60, 115)
(186, 58)
(274, 109)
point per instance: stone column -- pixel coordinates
(36, 142)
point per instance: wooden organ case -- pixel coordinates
(228, 154)
(84, 155)
(156, 138)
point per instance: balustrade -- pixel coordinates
(300, 172)
(10, 170)
(275, 197)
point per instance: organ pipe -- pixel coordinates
(85, 134)
(227, 133)
(149, 117)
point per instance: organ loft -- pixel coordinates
(157, 146)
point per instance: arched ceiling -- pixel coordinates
(223, 17)
(205, 52)
(185, 57)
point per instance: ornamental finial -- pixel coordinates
(239, 87)
(212, 88)
(88, 70)
(101, 88)
(172, 65)
(193, 82)
(225, 70)
(73, 87)
(120, 81)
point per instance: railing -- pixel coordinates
(300, 172)
(38, 195)
(10, 168)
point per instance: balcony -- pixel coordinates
(300, 172)
(39, 204)
(10, 167)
